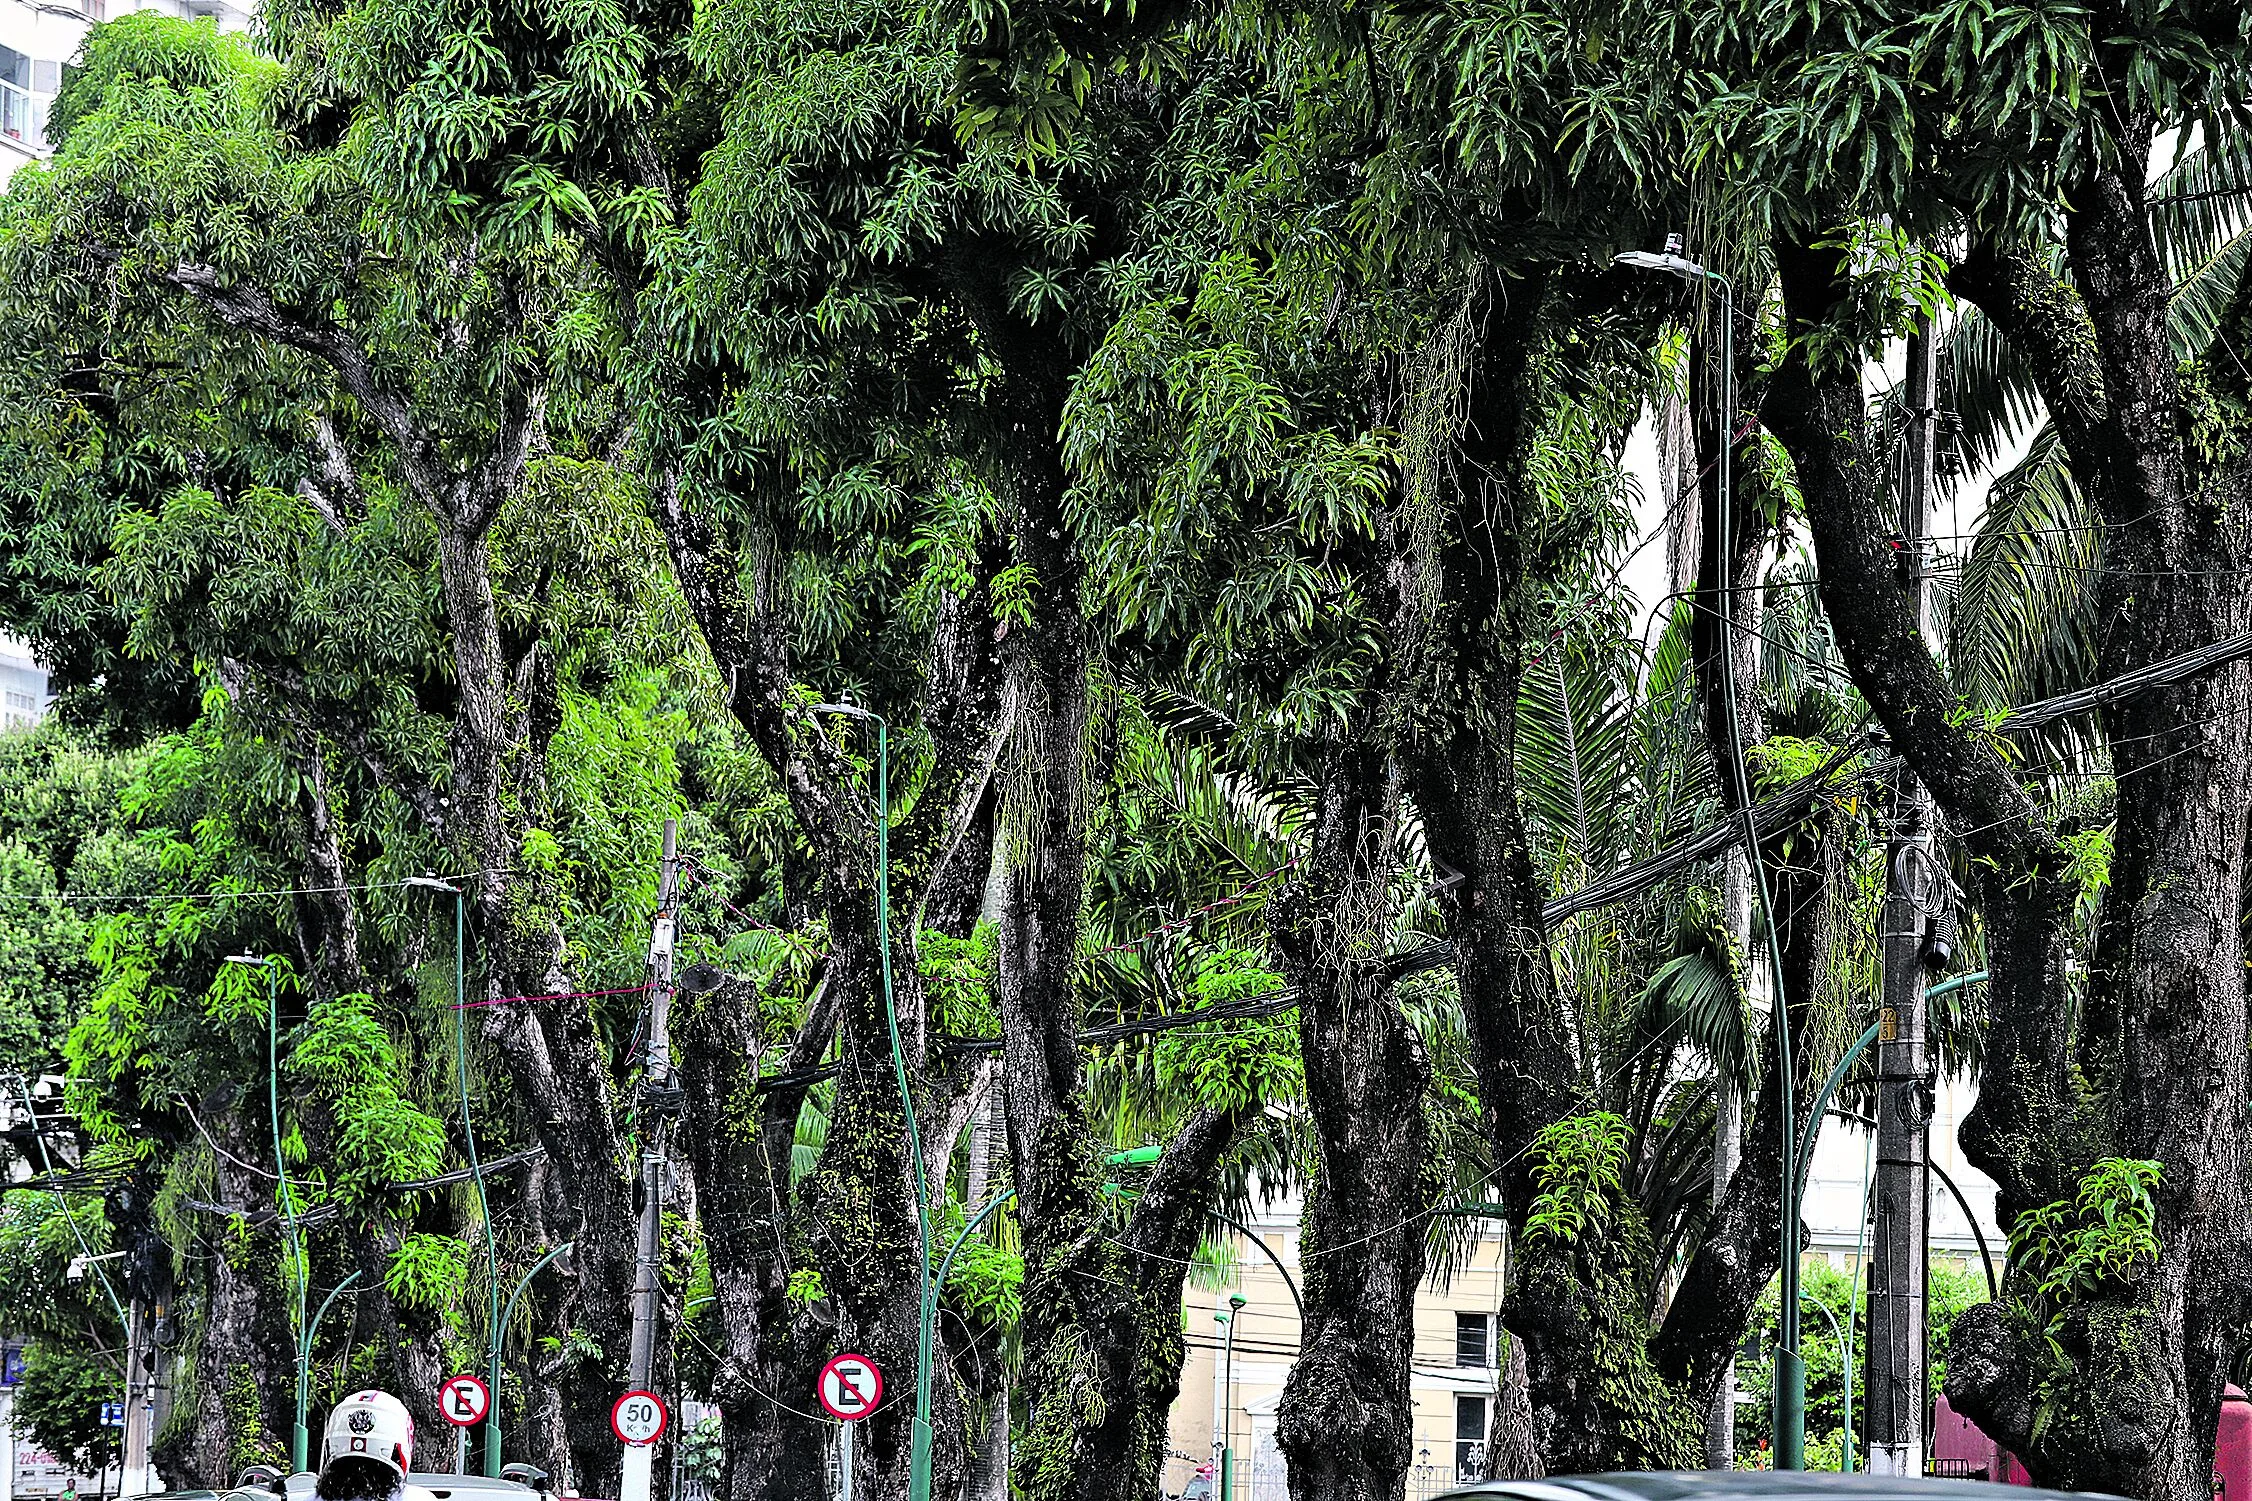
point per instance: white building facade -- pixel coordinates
(39, 38)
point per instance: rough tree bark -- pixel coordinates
(739, 1158)
(860, 1218)
(1345, 1424)
(555, 1058)
(2153, 1067)
(240, 1403)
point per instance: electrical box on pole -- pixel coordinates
(660, 1099)
(1895, 1374)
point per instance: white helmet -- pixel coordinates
(370, 1425)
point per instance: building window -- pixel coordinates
(1469, 1438)
(1474, 1340)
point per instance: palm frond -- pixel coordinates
(2204, 295)
(1989, 389)
(2024, 618)
(2203, 201)
(1577, 754)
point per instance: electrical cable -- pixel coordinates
(39, 1135)
(215, 896)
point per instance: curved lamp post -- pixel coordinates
(299, 1438)
(476, 1171)
(1790, 1371)
(919, 1471)
(1798, 1198)
(492, 1418)
(305, 1339)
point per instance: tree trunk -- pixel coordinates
(243, 1396)
(557, 1063)
(1346, 1424)
(2155, 1067)
(739, 1159)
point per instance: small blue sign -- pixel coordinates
(11, 1365)
(113, 1414)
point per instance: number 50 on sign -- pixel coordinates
(638, 1418)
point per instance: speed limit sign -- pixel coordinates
(638, 1418)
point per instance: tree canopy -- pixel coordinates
(1102, 528)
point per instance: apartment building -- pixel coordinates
(40, 38)
(23, 686)
(1238, 1391)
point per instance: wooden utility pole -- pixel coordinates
(660, 1099)
(1894, 1379)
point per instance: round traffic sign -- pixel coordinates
(464, 1400)
(851, 1386)
(638, 1418)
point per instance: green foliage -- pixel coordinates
(1236, 1061)
(60, 1402)
(1576, 1164)
(1833, 1302)
(958, 982)
(61, 838)
(429, 1272)
(346, 1056)
(985, 1287)
(2102, 1235)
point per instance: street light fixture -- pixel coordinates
(1789, 1415)
(300, 1437)
(476, 1172)
(919, 1462)
(1226, 1477)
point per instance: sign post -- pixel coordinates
(463, 1401)
(850, 1388)
(638, 1419)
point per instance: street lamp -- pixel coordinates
(299, 1438)
(919, 1462)
(1789, 1416)
(1226, 1476)
(476, 1173)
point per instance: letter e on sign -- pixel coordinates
(851, 1387)
(638, 1419)
(463, 1401)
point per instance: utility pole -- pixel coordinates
(141, 1357)
(1895, 1376)
(660, 1099)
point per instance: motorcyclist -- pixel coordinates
(367, 1451)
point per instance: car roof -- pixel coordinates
(443, 1485)
(1722, 1485)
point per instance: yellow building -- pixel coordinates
(1456, 1338)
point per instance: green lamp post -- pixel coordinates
(919, 1454)
(300, 1436)
(476, 1174)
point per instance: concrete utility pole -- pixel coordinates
(660, 1099)
(140, 1404)
(1895, 1374)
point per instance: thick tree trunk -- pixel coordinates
(860, 1215)
(243, 1399)
(2163, 1033)
(557, 1063)
(1346, 1422)
(739, 1158)
(2155, 1067)
(1101, 1330)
